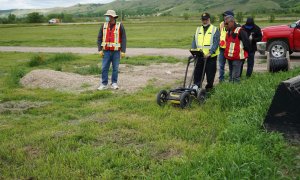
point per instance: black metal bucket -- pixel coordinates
(284, 113)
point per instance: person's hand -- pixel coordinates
(101, 54)
(207, 56)
(122, 54)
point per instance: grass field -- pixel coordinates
(164, 34)
(108, 135)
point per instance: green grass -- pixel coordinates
(108, 135)
(90, 69)
(15, 73)
(139, 35)
(56, 59)
(159, 34)
(16, 64)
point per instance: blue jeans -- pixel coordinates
(110, 57)
(222, 62)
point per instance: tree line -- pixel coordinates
(36, 17)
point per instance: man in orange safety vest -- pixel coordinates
(111, 47)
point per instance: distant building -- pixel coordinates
(54, 21)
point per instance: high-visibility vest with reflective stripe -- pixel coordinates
(222, 35)
(205, 41)
(111, 39)
(234, 47)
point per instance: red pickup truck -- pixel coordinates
(277, 40)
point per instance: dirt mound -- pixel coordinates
(131, 78)
(61, 81)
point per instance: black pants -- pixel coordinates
(235, 67)
(210, 71)
(250, 64)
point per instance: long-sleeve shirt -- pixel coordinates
(123, 37)
(244, 38)
(256, 36)
(216, 40)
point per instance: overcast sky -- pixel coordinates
(36, 4)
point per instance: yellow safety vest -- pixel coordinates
(222, 35)
(205, 41)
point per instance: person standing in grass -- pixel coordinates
(207, 39)
(254, 34)
(237, 48)
(222, 59)
(111, 47)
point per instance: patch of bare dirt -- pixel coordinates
(19, 106)
(32, 152)
(131, 78)
(167, 153)
(61, 81)
(120, 137)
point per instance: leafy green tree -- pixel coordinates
(212, 19)
(123, 15)
(35, 17)
(272, 18)
(239, 17)
(3, 21)
(11, 18)
(51, 16)
(253, 16)
(221, 18)
(61, 16)
(166, 13)
(186, 16)
(67, 18)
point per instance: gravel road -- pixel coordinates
(130, 51)
(83, 50)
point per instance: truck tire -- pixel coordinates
(278, 64)
(278, 48)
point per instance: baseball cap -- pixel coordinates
(228, 13)
(205, 16)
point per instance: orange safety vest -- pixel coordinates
(235, 49)
(111, 39)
